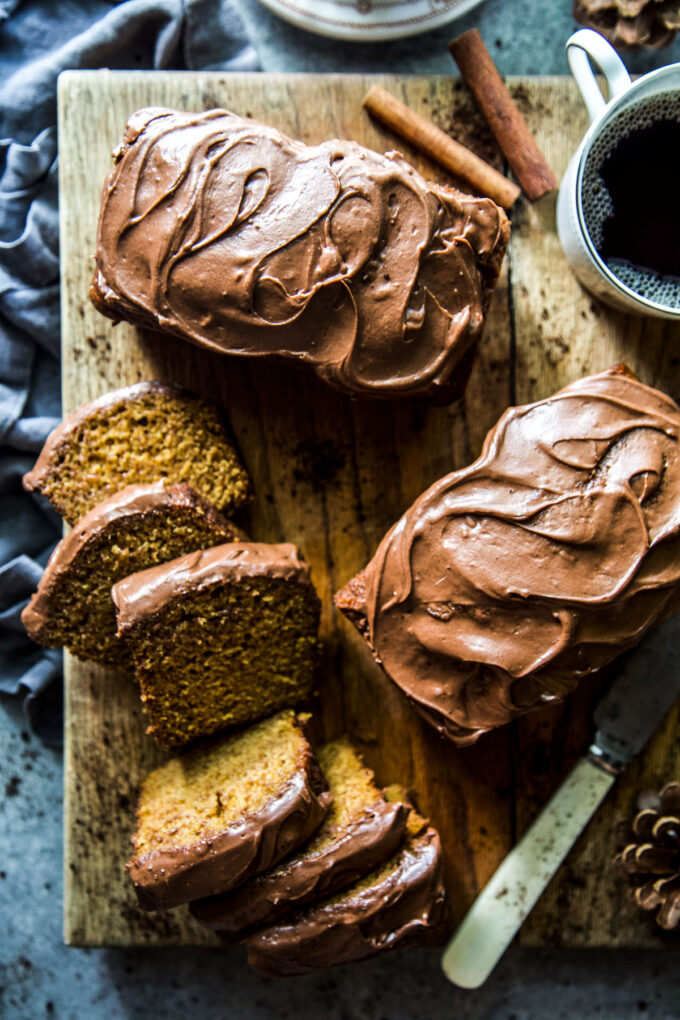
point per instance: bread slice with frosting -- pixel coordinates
(214, 817)
(220, 637)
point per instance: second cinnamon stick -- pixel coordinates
(439, 146)
(507, 123)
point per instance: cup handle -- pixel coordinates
(584, 46)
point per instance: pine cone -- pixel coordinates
(650, 855)
(631, 24)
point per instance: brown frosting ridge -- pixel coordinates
(133, 500)
(356, 850)
(33, 479)
(228, 233)
(401, 906)
(145, 593)
(539, 563)
(170, 877)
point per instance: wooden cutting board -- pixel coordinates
(332, 474)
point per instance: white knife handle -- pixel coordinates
(503, 905)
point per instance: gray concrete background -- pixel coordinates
(39, 977)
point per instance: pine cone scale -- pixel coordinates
(666, 830)
(644, 822)
(669, 914)
(670, 799)
(647, 897)
(655, 860)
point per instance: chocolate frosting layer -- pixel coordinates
(166, 878)
(132, 501)
(147, 592)
(228, 233)
(64, 432)
(357, 849)
(555, 551)
(403, 906)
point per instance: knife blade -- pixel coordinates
(644, 690)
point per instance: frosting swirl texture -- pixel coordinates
(232, 235)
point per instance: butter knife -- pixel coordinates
(640, 696)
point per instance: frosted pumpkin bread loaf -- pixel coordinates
(226, 232)
(508, 581)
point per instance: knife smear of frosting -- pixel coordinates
(642, 693)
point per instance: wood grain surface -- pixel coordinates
(332, 474)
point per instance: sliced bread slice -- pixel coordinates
(136, 435)
(210, 819)
(220, 637)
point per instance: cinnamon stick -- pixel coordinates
(440, 147)
(507, 123)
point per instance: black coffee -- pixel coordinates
(631, 198)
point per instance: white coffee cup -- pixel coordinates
(584, 46)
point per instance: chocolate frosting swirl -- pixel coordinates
(556, 550)
(402, 905)
(228, 233)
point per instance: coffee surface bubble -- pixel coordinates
(631, 197)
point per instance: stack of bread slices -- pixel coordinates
(305, 855)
